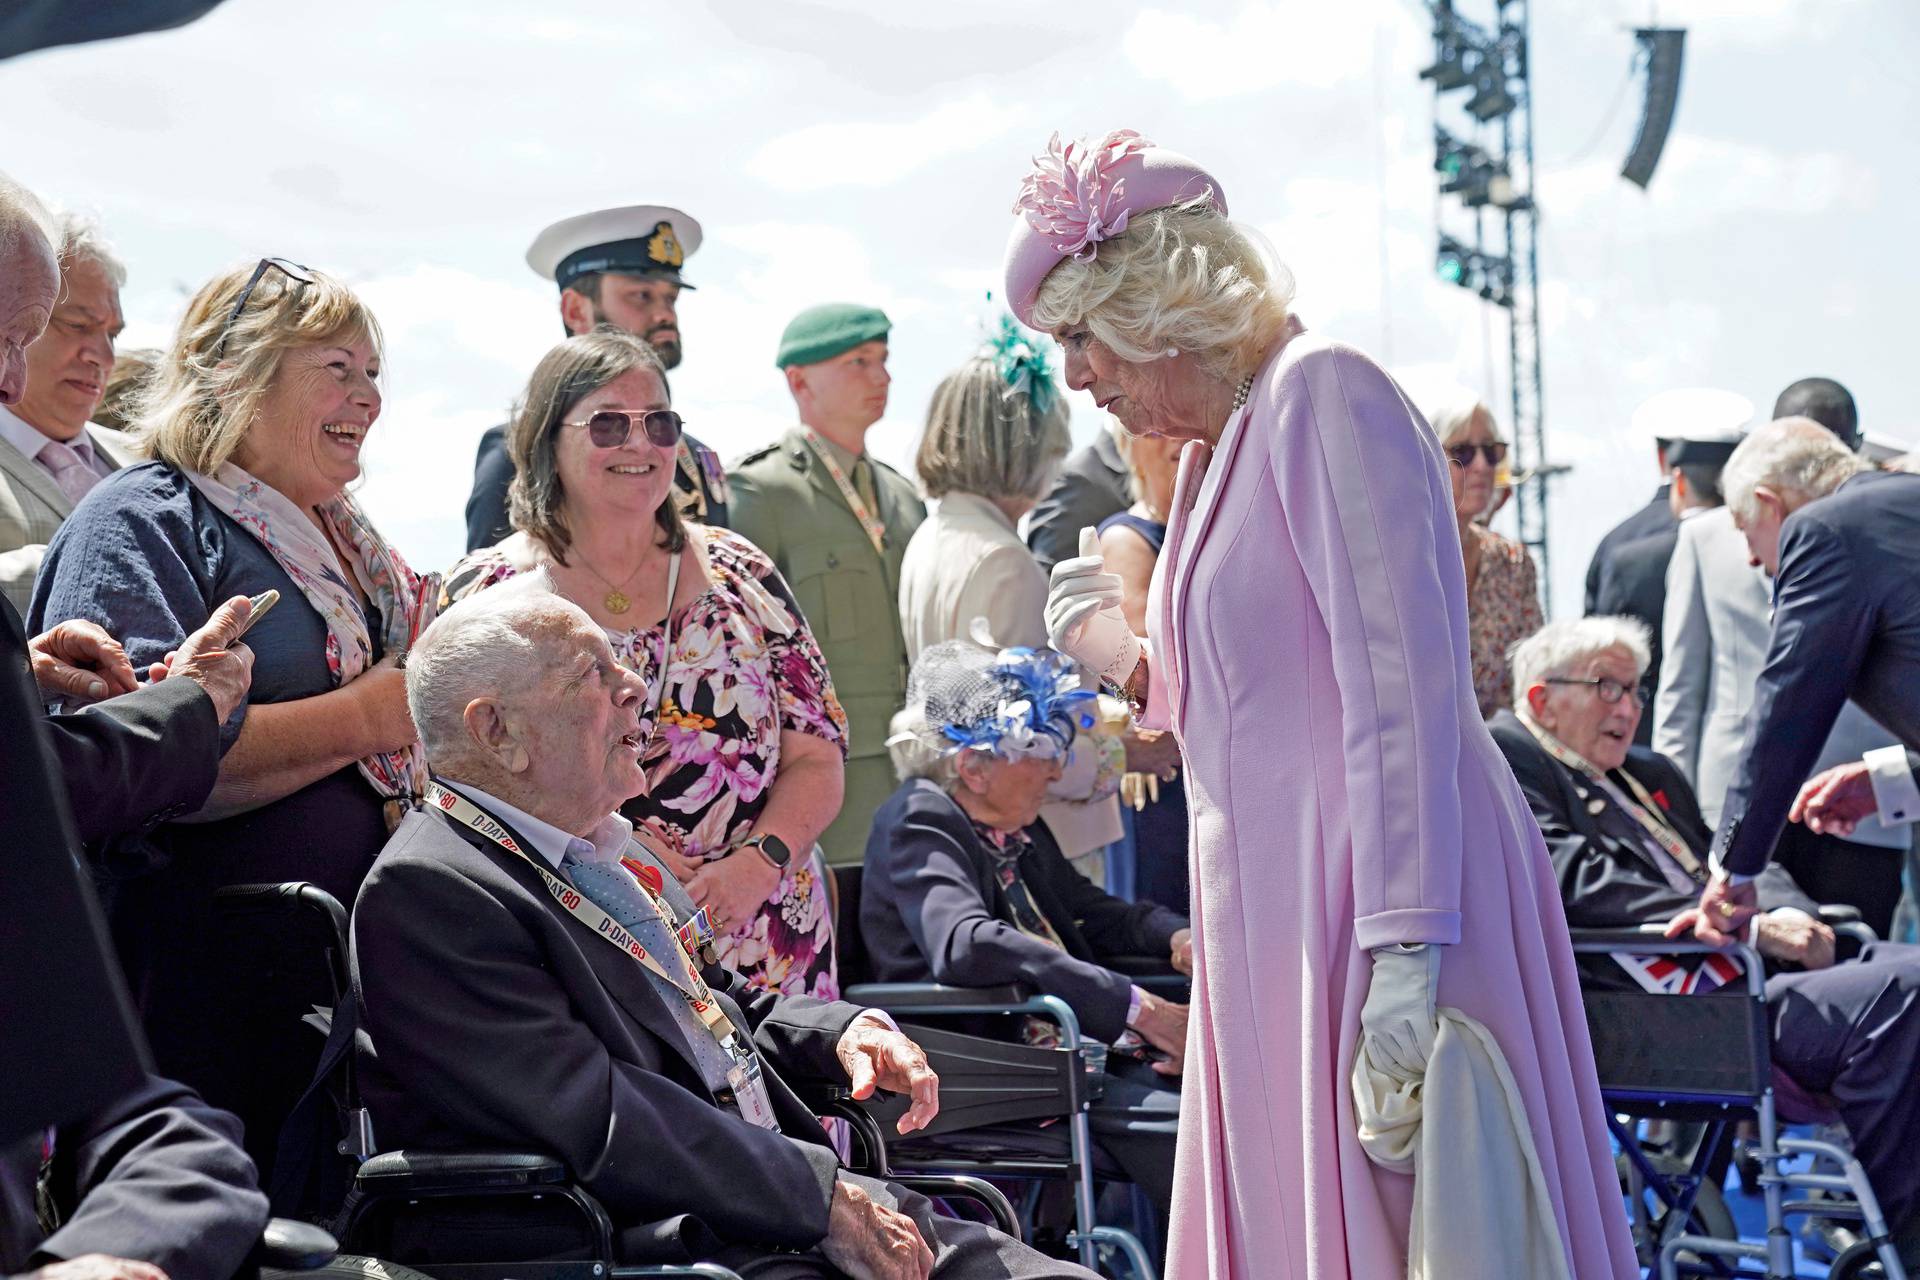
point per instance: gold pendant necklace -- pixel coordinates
(616, 600)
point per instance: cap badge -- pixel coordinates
(663, 247)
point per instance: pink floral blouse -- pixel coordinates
(745, 668)
(1503, 608)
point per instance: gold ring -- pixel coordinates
(1726, 908)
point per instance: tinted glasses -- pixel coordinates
(292, 270)
(1462, 454)
(1610, 690)
(610, 428)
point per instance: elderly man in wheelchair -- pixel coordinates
(529, 976)
(1629, 847)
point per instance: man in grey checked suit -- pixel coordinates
(50, 454)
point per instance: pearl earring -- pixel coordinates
(1171, 352)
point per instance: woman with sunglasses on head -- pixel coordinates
(1503, 589)
(255, 423)
(745, 741)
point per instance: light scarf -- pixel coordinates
(406, 601)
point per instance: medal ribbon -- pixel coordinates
(1645, 812)
(687, 981)
(875, 527)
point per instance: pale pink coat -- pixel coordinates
(1309, 631)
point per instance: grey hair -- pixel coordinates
(1451, 418)
(80, 239)
(487, 645)
(1559, 647)
(1794, 456)
(984, 438)
(1183, 277)
(912, 757)
(21, 215)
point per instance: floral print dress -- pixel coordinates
(744, 669)
(1503, 608)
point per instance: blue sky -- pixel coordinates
(871, 150)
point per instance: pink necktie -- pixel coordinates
(71, 471)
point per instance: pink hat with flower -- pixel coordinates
(1081, 193)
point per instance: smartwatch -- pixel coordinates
(772, 848)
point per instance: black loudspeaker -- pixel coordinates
(1662, 48)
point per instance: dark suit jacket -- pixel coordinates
(159, 1176)
(1650, 519)
(1091, 487)
(132, 762)
(498, 1020)
(1607, 877)
(487, 520)
(931, 909)
(1633, 582)
(1846, 624)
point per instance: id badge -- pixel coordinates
(750, 1094)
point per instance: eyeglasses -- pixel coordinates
(1462, 454)
(1609, 689)
(292, 270)
(610, 428)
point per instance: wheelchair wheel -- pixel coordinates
(1858, 1262)
(349, 1266)
(1710, 1215)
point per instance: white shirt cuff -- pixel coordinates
(873, 1018)
(1135, 998)
(1894, 787)
(1731, 877)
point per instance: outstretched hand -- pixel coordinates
(77, 661)
(1835, 801)
(1721, 917)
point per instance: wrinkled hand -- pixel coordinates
(1399, 1019)
(734, 888)
(869, 1241)
(1183, 952)
(877, 1056)
(682, 867)
(1796, 937)
(1152, 751)
(1083, 615)
(1721, 917)
(214, 659)
(1835, 801)
(98, 1266)
(77, 661)
(1163, 1024)
(382, 691)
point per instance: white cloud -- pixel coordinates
(1702, 180)
(876, 153)
(1267, 46)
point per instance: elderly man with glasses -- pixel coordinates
(1629, 847)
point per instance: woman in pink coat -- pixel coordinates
(1360, 849)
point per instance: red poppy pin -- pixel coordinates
(1660, 798)
(646, 874)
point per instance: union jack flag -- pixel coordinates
(1667, 976)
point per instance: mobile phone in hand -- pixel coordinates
(262, 605)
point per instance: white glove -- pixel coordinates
(1083, 614)
(1398, 1022)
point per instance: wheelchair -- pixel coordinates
(1704, 1061)
(994, 1093)
(466, 1215)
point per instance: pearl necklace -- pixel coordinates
(1241, 392)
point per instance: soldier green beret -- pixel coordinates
(823, 332)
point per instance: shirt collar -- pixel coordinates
(607, 841)
(30, 440)
(954, 503)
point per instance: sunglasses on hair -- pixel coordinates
(1462, 454)
(292, 270)
(610, 428)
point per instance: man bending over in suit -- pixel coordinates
(530, 976)
(1629, 847)
(1839, 541)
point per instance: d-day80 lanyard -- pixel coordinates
(688, 982)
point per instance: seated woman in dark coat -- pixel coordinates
(964, 886)
(1629, 848)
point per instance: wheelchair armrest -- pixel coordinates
(1631, 938)
(1141, 966)
(292, 1245)
(413, 1172)
(1838, 913)
(930, 997)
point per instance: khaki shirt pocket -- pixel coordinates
(828, 580)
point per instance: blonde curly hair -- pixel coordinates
(1183, 277)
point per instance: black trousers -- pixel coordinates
(961, 1250)
(1852, 1033)
(1830, 869)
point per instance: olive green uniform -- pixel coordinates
(788, 505)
